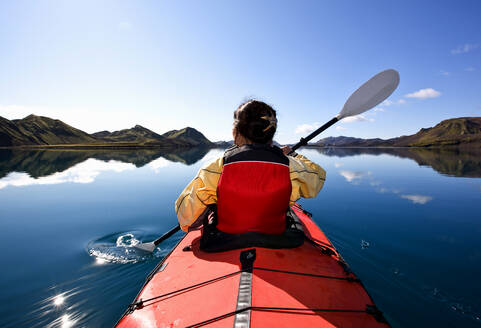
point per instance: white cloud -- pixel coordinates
(467, 47)
(445, 73)
(352, 176)
(306, 128)
(341, 164)
(470, 69)
(424, 94)
(379, 109)
(388, 102)
(340, 128)
(357, 118)
(417, 199)
(84, 172)
(124, 26)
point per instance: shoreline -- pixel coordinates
(104, 146)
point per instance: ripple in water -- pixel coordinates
(119, 248)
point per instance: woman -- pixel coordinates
(252, 184)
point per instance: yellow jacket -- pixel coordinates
(307, 179)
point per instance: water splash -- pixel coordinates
(119, 248)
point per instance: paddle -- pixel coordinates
(370, 94)
(149, 247)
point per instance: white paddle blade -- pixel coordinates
(371, 93)
(147, 247)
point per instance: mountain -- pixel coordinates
(463, 132)
(138, 134)
(349, 142)
(188, 135)
(40, 130)
(452, 132)
(101, 134)
(43, 131)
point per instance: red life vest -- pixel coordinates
(254, 190)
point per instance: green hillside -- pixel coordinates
(453, 132)
(189, 135)
(40, 130)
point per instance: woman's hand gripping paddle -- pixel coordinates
(370, 94)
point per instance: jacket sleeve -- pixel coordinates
(307, 178)
(199, 193)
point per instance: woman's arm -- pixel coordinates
(307, 177)
(199, 193)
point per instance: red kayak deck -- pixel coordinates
(307, 286)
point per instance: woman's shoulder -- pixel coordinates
(255, 152)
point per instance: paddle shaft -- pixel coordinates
(314, 134)
(166, 235)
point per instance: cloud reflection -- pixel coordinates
(355, 177)
(352, 176)
(84, 172)
(417, 199)
(158, 164)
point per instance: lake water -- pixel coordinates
(408, 223)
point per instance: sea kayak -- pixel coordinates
(307, 286)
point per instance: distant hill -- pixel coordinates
(138, 135)
(463, 132)
(188, 135)
(349, 142)
(40, 131)
(452, 132)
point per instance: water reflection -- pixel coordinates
(40, 163)
(84, 172)
(23, 168)
(78, 166)
(450, 161)
(417, 199)
(355, 178)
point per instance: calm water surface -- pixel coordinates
(407, 221)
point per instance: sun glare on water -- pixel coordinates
(58, 300)
(66, 322)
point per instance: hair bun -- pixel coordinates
(256, 121)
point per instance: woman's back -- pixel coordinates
(254, 190)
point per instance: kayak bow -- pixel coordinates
(307, 286)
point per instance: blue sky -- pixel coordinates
(169, 64)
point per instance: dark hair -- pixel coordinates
(256, 121)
